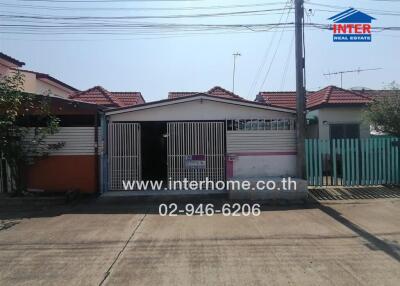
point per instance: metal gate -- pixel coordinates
(123, 154)
(202, 141)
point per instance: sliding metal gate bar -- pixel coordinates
(123, 154)
(202, 139)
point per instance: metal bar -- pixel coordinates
(352, 159)
(315, 162)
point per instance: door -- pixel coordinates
(124, 160)
(196, 151)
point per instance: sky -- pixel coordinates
(156, 62)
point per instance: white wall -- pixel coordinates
(264, 166)
(199, 110)
(77, 141)
(337, 115)
(261, 141)
(262, 153)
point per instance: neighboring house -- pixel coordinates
(333, 112)
(339, 113)
(215, 91)
(35, 82)
(100, 96)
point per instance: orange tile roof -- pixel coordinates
(333, 95)
(222, 92)
(330, 95)
(128, 97)
(215, 91)
(286, 99)
(178, 94)
(101, 96)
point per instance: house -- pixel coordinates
(35, 82)
(339, 113)
(100, 96)
(332, 112)
(198, 136)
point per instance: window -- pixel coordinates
(343, 131)
(260, 124)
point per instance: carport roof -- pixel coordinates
(197, 96)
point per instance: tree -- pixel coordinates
(25, 122)
(384, 112)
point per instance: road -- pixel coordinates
(342, 243)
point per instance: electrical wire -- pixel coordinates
(90, 9)
(288, 58)
(265, 58)
(274, 55)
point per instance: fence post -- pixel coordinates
(357, 143)
(334, 181)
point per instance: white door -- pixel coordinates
(196, 151)
(124, 162)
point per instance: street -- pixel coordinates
(344, 243)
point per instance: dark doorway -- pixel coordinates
(154, 150)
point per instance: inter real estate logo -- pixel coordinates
(351, 26)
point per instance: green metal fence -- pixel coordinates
(351, 162)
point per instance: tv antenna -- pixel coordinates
(349, 71)
(235, 55)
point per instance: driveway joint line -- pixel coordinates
(108, 272)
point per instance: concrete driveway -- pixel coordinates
(122, 244)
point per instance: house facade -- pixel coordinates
(198, 136)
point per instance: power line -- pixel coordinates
(117, 27)
(375, 11)
(274, 55)
(288, 58)
(65, 8)
(104, 1)
(265, 58)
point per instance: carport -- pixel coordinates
(197, 137)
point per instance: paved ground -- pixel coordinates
(353, 243)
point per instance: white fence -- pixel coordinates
(123, 154)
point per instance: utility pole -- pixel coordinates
(300, 88)
(235, 55)
(350, 71)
